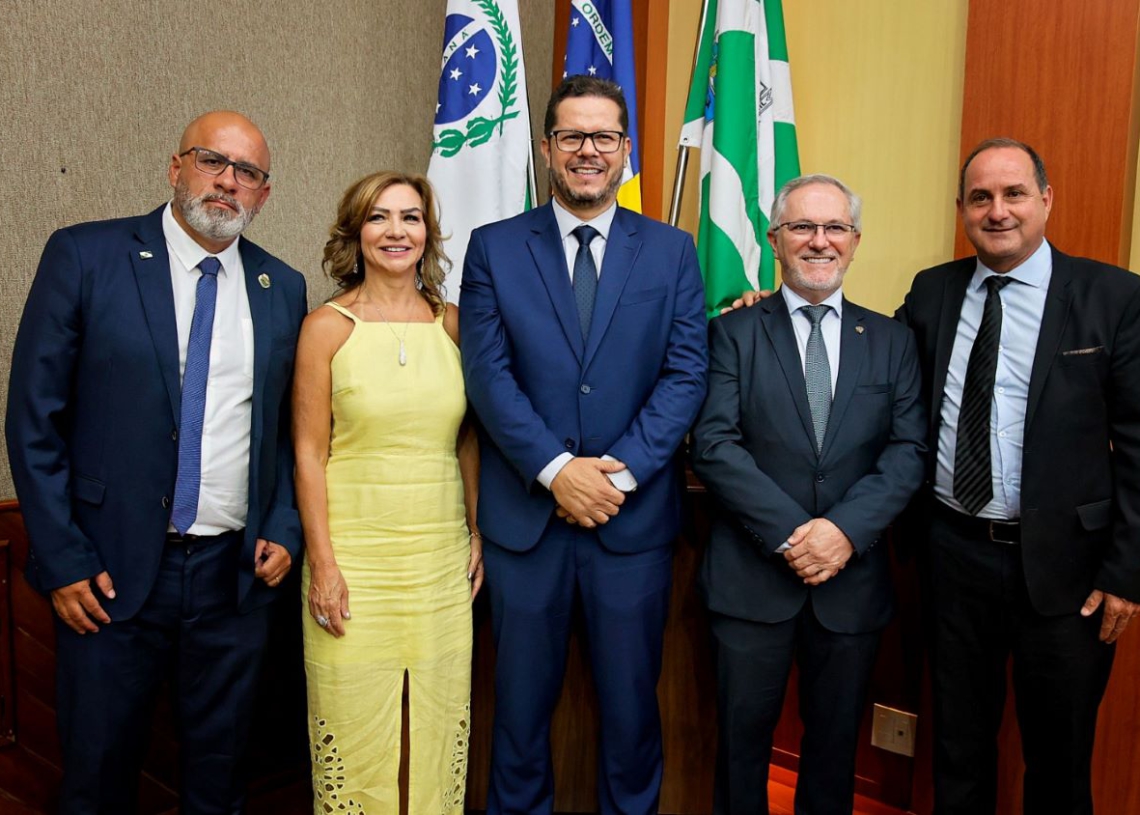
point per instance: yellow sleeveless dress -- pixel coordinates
(399, 533)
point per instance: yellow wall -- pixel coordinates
(877, 87)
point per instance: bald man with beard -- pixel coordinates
(148, 437)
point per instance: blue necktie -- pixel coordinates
(189, 480)
(817, 374)
(585, 277)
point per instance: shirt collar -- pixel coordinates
(1033, 271)
(188, 251)
(568, 221)
(795, 302)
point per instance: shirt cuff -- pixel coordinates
(783, 547)
(548, 473)
(623, 479)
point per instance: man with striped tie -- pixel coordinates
(148, 435)
(1031, 365)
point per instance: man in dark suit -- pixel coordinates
(1031, 364)
(148, 435)
(811, 442)
(584, 350)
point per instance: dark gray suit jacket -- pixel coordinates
(754, 449)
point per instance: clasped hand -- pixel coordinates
(819, 549)
(584, 495)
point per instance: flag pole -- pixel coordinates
(679, 183)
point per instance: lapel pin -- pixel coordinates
(146, 255)
(263, 279)
(858, 329)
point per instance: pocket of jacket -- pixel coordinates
(1096, 515)
(643, 295)
(881, 388)
(88, 490)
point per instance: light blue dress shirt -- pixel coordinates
(1023, 304)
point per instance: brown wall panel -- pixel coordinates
(1060, 75)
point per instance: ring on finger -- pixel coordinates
(322, 621)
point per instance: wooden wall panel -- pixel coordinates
(1061, 76)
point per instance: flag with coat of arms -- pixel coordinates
(740, 115)
(481, 165)
(599, 43)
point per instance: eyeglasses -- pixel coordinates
(211, 163)
(807, 229)
(571, 141)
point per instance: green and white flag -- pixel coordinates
(481, 165)
(740, 114)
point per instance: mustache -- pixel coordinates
(226, 199)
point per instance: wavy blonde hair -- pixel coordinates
(343, 261)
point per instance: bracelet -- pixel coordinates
(474, 535)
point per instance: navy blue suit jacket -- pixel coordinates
(754, 448)
(631, 389)
(94, 401)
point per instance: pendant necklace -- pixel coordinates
(400, 338)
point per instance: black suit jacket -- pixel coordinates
(1080, 472)
(754, 449)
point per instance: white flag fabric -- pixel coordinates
(481, 162)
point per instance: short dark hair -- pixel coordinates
(582, 85)
(1039, 174)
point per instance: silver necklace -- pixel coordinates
(403, 353)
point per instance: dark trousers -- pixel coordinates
(982, 617)
(753, 661)
(188, 630)
(625, 601)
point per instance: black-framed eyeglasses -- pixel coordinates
(211, 163)
(571, 141)
(807, 229)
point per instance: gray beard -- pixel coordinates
(211, 222)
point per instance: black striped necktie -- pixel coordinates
(973, 469)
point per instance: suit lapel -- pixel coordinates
(778, 325)
(622, 248)
(261, 313)
(1056, 314)
(151, 264)
(953, 295)
(852, 349)
(549, 255)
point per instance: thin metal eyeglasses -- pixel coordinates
(211, 163)
(807, 229)
(571, 141)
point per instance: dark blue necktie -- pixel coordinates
(585, 277)
(817, 373)
(973, 466)
(189, 480)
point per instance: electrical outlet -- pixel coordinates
(893, 730)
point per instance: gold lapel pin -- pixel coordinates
(263, 279)
(858, 329)
(146, 255)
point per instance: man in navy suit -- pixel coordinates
(148, 435)
(811, 441)
(584, 351)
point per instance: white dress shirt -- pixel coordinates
(830, 326)
(567, 223)
(223, 500)
(1022, 307)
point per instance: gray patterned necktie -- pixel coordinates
(585, 277)
(817, 374)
